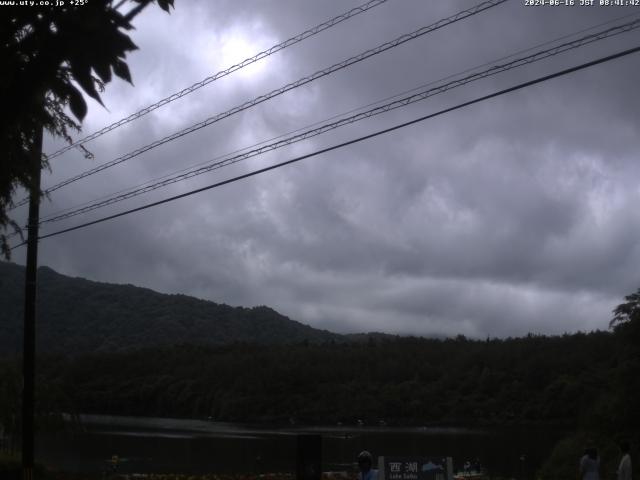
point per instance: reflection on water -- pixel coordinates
(165, 445)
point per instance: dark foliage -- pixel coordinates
(584, 381)
(78, 316)
(569, 380)
(627, 312)
(43, 51)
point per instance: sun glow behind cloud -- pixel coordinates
(512, 217)
(234, 45)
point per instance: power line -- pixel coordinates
(223, 73)
(377, 102)
(319, 74)
(165, 180)
(350, 142)
(415, 97)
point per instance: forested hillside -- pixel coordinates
(111, 349)
(77, 315)
(570, 379)
(586, 383)
(127, 350)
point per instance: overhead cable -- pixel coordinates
(319, 74)
(339, 115)
(223, 73)
(350, 142)
(402, 102)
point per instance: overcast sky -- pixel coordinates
(516, 215)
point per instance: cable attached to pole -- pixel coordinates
(416, 96)
(259, 56)
(279, 91)
(351, 142)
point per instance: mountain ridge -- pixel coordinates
(76, 315)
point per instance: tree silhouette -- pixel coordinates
(627, 312)
(43, 51)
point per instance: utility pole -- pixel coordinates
(29, 340)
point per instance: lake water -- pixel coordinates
(164, 445)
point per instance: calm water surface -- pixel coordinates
(165, 445)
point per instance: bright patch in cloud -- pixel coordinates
(236, 45)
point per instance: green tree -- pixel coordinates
(627, 312)
(626, 325)
(43, 51)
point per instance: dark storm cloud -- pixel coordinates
(510, 216)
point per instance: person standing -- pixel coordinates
(589, 465)
(624, 469)
(365, 462)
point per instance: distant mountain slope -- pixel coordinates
(77, 315)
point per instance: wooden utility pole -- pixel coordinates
(29, 340)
